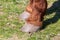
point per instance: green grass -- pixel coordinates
(10, 24)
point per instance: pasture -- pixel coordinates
(10, 24)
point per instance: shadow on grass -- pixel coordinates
(54, 8)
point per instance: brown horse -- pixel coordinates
(33, 15)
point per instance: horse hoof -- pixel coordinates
(29, 28)
(24, 15)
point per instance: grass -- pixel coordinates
(10, 24)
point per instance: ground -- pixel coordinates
(10, 24)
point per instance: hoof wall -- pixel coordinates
(24, 15)
(29, 28)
